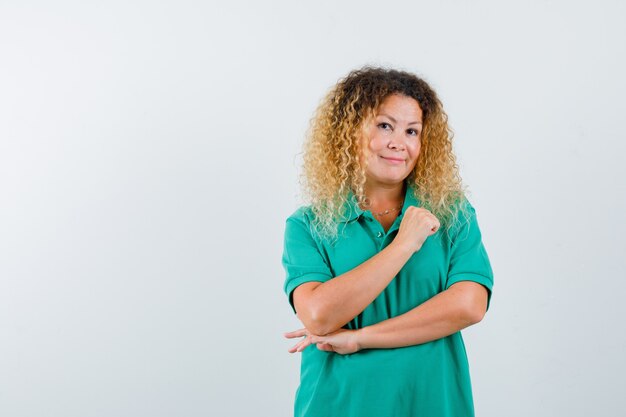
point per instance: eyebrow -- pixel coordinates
(394, 120)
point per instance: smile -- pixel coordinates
(393, 161)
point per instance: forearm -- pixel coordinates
(337, 301)
(442, 315)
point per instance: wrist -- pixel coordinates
(403, 248)
(361, 336)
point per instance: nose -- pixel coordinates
(396, 142)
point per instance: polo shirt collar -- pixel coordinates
(352, 210)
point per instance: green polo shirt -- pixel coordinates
(430, 379)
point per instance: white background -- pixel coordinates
(149, 153)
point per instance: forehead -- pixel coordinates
(402, 106)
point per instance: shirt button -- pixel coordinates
(380, 234)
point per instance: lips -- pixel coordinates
(393, 159)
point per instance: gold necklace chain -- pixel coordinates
(382, 213)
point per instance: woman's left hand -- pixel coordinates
(341, 341)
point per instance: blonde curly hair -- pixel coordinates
(331, 166)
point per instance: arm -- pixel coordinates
(461, 305)
(456, 308)
(326, 307)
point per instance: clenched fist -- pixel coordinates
(417, 224)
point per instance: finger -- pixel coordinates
(319, 340)
(295, 333)
(306, 342)
(301, 345)
(325, 346)
(295, 347)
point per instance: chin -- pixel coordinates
(391, 180)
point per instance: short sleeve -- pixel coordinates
(302, 259)
(468, 257)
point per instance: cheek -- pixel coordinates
(366, 153)
(377, 143)
(415, 148)
(370, 147)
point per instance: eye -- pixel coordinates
(413, 132)
(385, 126)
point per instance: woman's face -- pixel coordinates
(391, 140)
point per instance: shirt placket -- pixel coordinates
(376, 231)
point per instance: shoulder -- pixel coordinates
(299, 222)
(463, 209)
(303, 224)
(462, 215)
(302, 214)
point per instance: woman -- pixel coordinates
(386, 265)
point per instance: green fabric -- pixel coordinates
(430, 379)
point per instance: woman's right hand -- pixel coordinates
(417, 224)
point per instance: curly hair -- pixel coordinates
(331, 166)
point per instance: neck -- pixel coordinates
(385, 196)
